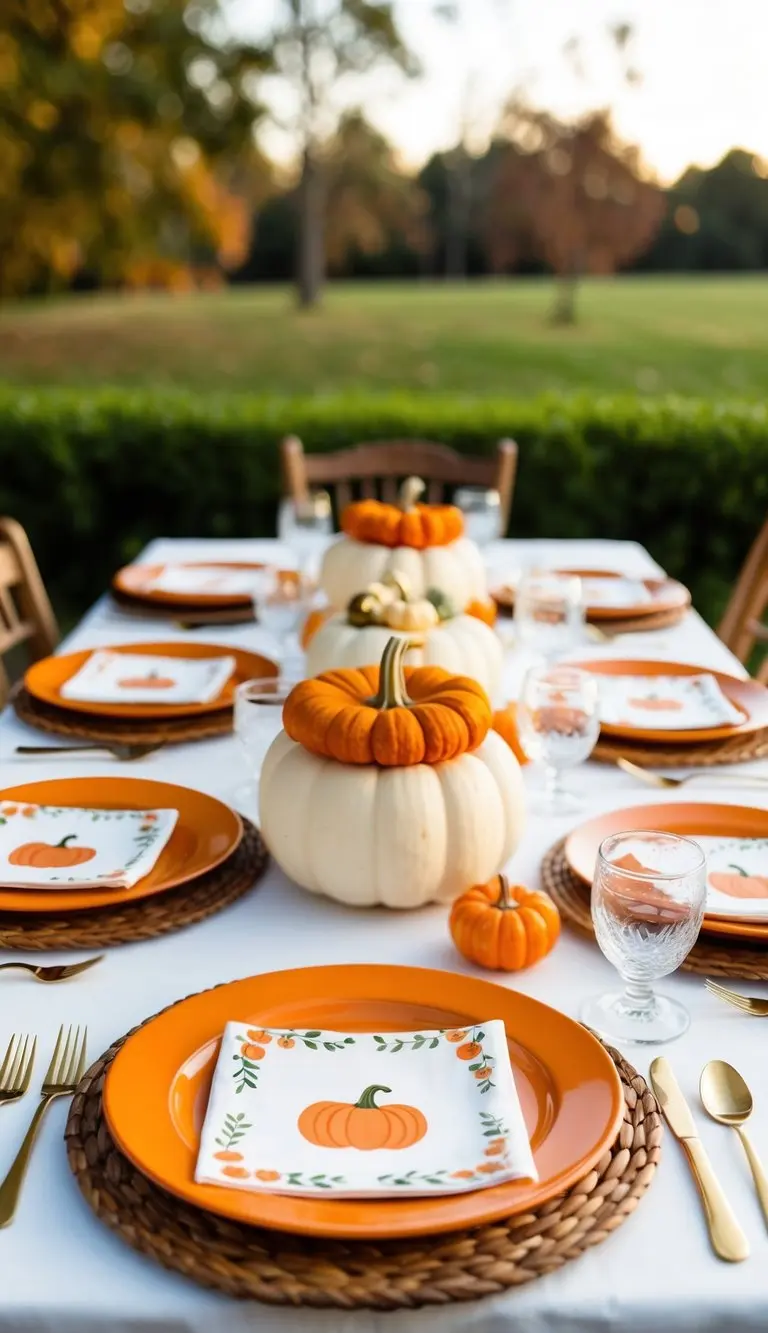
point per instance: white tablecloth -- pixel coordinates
(61, 1270)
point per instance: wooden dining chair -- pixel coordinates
(375, 469)
(740, 628)
(26, 615)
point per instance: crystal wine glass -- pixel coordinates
(304, 525)
(549, 612)
(282, 597)
(258, 718)
(481, 508)
(558, 722)
(648, 901)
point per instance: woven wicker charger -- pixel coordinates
(735, 750)
(144, 918)
(631, 625)
(186, 614)
(709, 957)
(270, 1266)
(128, 731)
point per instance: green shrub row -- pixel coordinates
(94, 475)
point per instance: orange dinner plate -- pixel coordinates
(749, 696)
(157, 1090)
(728, 821)
(133, 581)
(666, 595)
(44, 679)
(206, 833)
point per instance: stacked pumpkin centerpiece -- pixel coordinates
(388, 785)
(406, 571)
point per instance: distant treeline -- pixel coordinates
(715, 221)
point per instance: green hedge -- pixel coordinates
(94, 475)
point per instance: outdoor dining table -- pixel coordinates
(62, 1270)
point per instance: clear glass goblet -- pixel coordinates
(305, 526)
(549, 612)
(282, 598)
(481, 507)
(648, 901)
(258, 718)
(558, 724)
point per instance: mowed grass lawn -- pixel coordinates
(689, 335)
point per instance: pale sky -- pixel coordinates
(704, 66)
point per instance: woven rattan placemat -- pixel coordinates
(735, 750)
(709, 957)
(127, 731)
(280, 1269)
(626, 625)
(188, 614)
(144, 918)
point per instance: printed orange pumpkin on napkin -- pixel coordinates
(670, 703)
(128, 678)
(59, 847)
(304, 1111)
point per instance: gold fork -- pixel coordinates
(16, 1069)
(53, 971)
(64, 1073)
(747, 1005)
(660, 780)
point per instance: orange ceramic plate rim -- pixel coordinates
(126, 793)
(131, 578)
(685, 817)
(44, 679)
(153, 1057)
(667, 595)
(747, 695)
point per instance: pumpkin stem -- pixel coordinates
(410, 491)
(365, 1100)
(505, 903)
(738, 870)
(64, 841)
(392, 692)
(394, 579)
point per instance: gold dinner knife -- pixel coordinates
(728, 1239)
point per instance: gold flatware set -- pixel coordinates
(671, 784)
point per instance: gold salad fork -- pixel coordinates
(16, 1069)
(64, 1073)
(747, 1005)
(661, 780)
(53, 971)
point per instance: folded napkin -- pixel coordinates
(63, 847)
(737, 877)
(665, 703)
(350, 1115)
(139, 678)
(611, 592)
(203, 581)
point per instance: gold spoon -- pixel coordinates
(727, 1099)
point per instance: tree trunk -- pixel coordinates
(311, 235)
(564, 308)
(459, 199)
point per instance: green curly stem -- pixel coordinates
(365, 1100)
(64, 841)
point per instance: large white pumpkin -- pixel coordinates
(456, 570)
(462, 645)
(400, 837)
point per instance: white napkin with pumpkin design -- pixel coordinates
(665, 703)
(141, 678)
(203, 581)
(64, 847)
(608, 592)
(347, 1115)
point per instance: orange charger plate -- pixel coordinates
(206, 833)
(44, 679)
(132, 581)
(156, 1091)
(728, 821)
(666, 595)
(749, 696)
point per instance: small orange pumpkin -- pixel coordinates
(403, 524)
(505, 722)
(485, 611)
(149, 682)
(653, 703)
(228, 1155)
(362, 1124)
(740, 884)
(389, 715)
(504, 928)
(313, 623)
(267, 1175)
(48, 855)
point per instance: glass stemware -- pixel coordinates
(481, 508)
(558, 722)
(648, 901)
(305, 525)
(258, 718)
(549, 612)
(282, 598)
